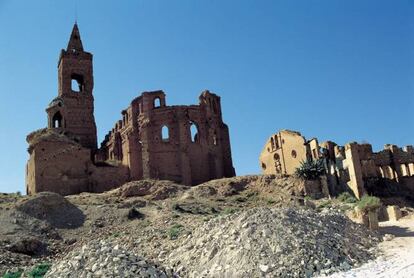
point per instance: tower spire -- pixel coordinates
(75, 42)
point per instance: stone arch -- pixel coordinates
(77, 84)
(194, 132)
(57, 120)
(157, 102)
(165, 133)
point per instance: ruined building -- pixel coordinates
(353, 166)
(185, 144)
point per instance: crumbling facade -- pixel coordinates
(186, 144)
(347, 167)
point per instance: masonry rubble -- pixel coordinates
(273, 242)
(103, 259)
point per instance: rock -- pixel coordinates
(28, 246)
(264, 268)
(134, 213)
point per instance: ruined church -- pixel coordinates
(185, 144)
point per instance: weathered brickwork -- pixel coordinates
(186, 144)
(348, 166)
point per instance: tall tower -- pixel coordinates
(72, 111)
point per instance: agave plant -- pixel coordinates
(310, 169)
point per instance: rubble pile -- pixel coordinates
(273, 242)
(103, 259)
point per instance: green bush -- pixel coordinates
(346, 197)
(39, 271)
(368, 203)
(16, 274)
(175, 231)
(229, 210)
(310, 170)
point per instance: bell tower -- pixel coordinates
(72, 111)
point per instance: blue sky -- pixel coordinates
(333, 69)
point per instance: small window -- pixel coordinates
(194, 132)
(165, 133)
(276, 156)
(157, 102)
(215, 143)
(263, 166)
(57, 120)
(294, 154)
(272, 142)
(77, 83)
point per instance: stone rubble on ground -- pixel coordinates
(103, 259)
(271, 242)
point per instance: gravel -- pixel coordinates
(271, 242)
(103, 259)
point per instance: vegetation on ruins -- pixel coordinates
(310, 169)
(346, 197)
(368, 203)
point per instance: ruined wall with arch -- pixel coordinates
(188, 144)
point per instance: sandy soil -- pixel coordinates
(397, 259)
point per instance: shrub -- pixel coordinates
(310, 170)
(346, 197)
(175, 231)
(229, 210)
(16, 274)
(39, 271)
(368, 203)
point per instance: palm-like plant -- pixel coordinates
(310, 169)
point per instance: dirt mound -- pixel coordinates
(273, 243)
(277, 188)
(54, 209)
(151, 189)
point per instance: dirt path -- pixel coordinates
(397, 260)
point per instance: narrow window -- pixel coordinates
(215, 143)
(194, 132)
(272, 142)
(165, 133)
(157, 102)
(77, 83)
(57, 120)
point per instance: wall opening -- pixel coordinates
(294, 154)
(157, 102)
(272, 142)
(57, 120)
(165, 133)
(194, 132)
(215, 142)
(77, 83)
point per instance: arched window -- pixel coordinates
(272, 142)
(77, 83)
(57, 120)
(157, 102)
(165, 133)
(194, 132)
